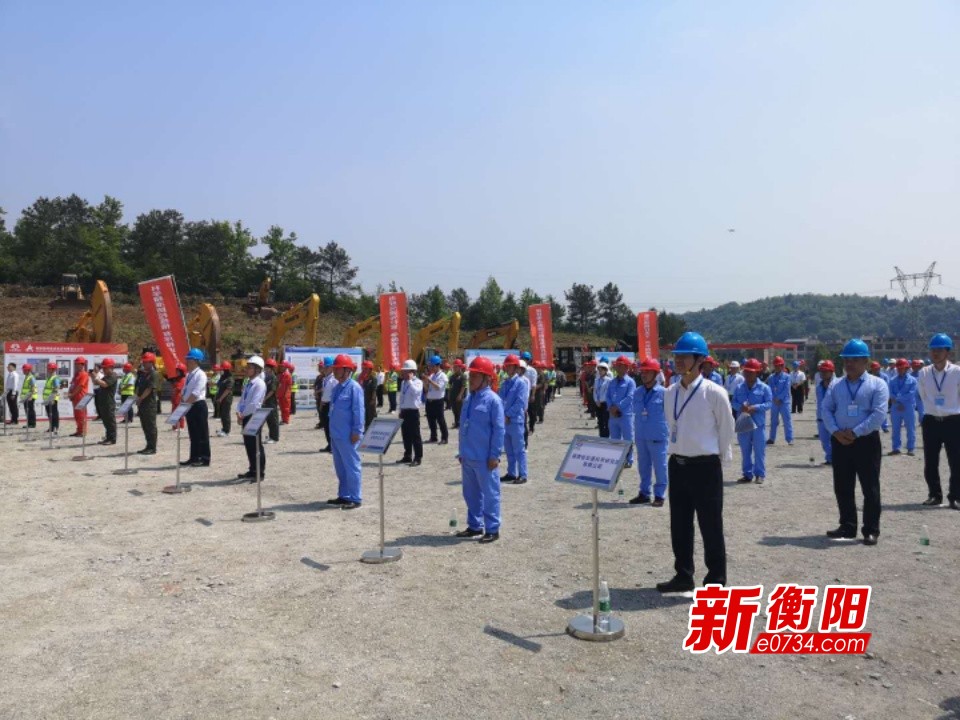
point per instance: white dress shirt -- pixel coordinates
(600, 388)
(705, 425)
(329, 382)
(252, 398)
(940, 391)
(531, 375)
(11, 382)
(195, 385)
(411, 394)
(797, 377)
(733, 382)
(439, 392)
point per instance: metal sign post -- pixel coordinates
(377, 441)
(122, 412)
(252, 429)
(595, 463)
(82, 405)
(174, 420)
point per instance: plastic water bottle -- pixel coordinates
(619, 492)
(925, 536)
(813, 461)
(453, 519)
(603, 617)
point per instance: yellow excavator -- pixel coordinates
(449, 325)
(203, 331)
(508, 331)
(259, 303)
(355, 333)
(307, 314)
(70, 293)
(96, 324)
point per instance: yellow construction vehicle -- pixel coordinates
(355, 333)
(70, 294)
(307, 314)
(203, 332)
(96, 324)
(260, 302)
(508, 331)
(449, 325)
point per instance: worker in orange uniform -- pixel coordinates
(285, 381)
(178, 381)
(79, 389)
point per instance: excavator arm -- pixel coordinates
(449, 325)
(204, 331)
(306, 313)
(354, 333)
(96, 324)
(508, 331)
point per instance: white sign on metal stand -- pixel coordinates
(376, 441)
(82, 405)
(122, 412)
(595, 463)
(174, 419)
(252, 429)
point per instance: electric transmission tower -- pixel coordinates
(926, 276)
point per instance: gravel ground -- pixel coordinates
(121, 602)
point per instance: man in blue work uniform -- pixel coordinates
(620, 394)
(709, 371)
(903, 406)
(874, 369)
(779, 383)
(481, 444)
(916, 365)
(754, 398)
(853, 411)
(827, 380)
(514, 397)
(346, 431)
(600, 398)
(251, 400)
(650, 434)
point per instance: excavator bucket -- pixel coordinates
(96, 324)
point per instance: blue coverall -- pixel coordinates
(650, 433)
(481, 440)
(779, 383)
(753, 446)
(346, 419)
(620, 393)
(904, 396)
(514, 397)
(915, 375)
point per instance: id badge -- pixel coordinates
(853, 410)
(673, 437)
(643, 416)
(940, 401)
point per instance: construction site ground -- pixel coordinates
(122, 602)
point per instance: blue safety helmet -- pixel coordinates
(526, 356)
(796, 363)
(435, 360)
(197, 354)
(327, 361)
(941, 341)
(855, 348)
(605, 359)
(691, 343)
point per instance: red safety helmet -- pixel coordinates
(270, 363)
(181, 367)
(146, 357)
(458, 363)
(903, 363)
(483, 366)
(752, 365)
(828, 365)
(778, 361)
(215, 368)
(344, 361)
(591, 363)
(80, 360)
(127, 367)
(622, 360)
(51, 366)
(367, 365)
(108, 363)
(874, 365)
(649, 365)
(27, 367)
(507, 361)
(708, 360)
(227, 365)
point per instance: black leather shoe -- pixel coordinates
(443, 442)
(640, 500)
(893, 452)
(954, 505)
(337, 501)
(147, 451)
(744, 479)
(769, 442)
(676, 584)
(415, 463)
(869, 539)
(403, 461)
(657, 502)
(759, 479)
(490, 537)
(185, 463)
(841, 533)
(431, 441)
(200, 463)
(507, 478)
(246, 475)
(933, 501)
(469, 533)
(327, 449)
(347, 505)
(520, 481)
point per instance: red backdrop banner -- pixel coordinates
(161, 305)
(394, 333)
(541, 332)
(648, 338)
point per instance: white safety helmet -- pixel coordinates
(605, 366)
(734, 365)
(409, 365)
(523, 364)
(256, 360)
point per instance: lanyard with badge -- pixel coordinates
(853, 410)
(940, 400)
(676, 414)
(647, 394)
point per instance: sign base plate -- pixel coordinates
(581, 627)
(128, 471)
(375, 557)
(175, 489)
(259, 516)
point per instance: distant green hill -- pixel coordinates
(829, 317)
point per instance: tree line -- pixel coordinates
(211, 258)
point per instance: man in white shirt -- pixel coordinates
(326, 394)
(251, 400)
(701, 436)
(798, 382)
(940, 396)
(435, 381)
(734, 378)
(195, 394)
(411, 392)
(11, 392)
(600, 398)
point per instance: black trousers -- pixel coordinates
(325, 420)
(850, 462)
(369, 413)
(293, 403)
(939, 433)
(226, 416)
(457, 406)
(109, 419)
(696, 488)
(31, 412)
(436, 419)
(410, 432)
(392, 397)
(53, 415)
(379, 396)
(796, 400)
(250, 443)
(199, 432)
(14, 407)
(603, 420)
(216, 408)
(273, 423)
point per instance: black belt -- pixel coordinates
(695, 459)
(940, 418)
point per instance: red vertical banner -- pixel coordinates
(394, 333)
(161, 305)
(541, 332)
(648, 337)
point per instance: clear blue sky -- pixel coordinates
(541, 142)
